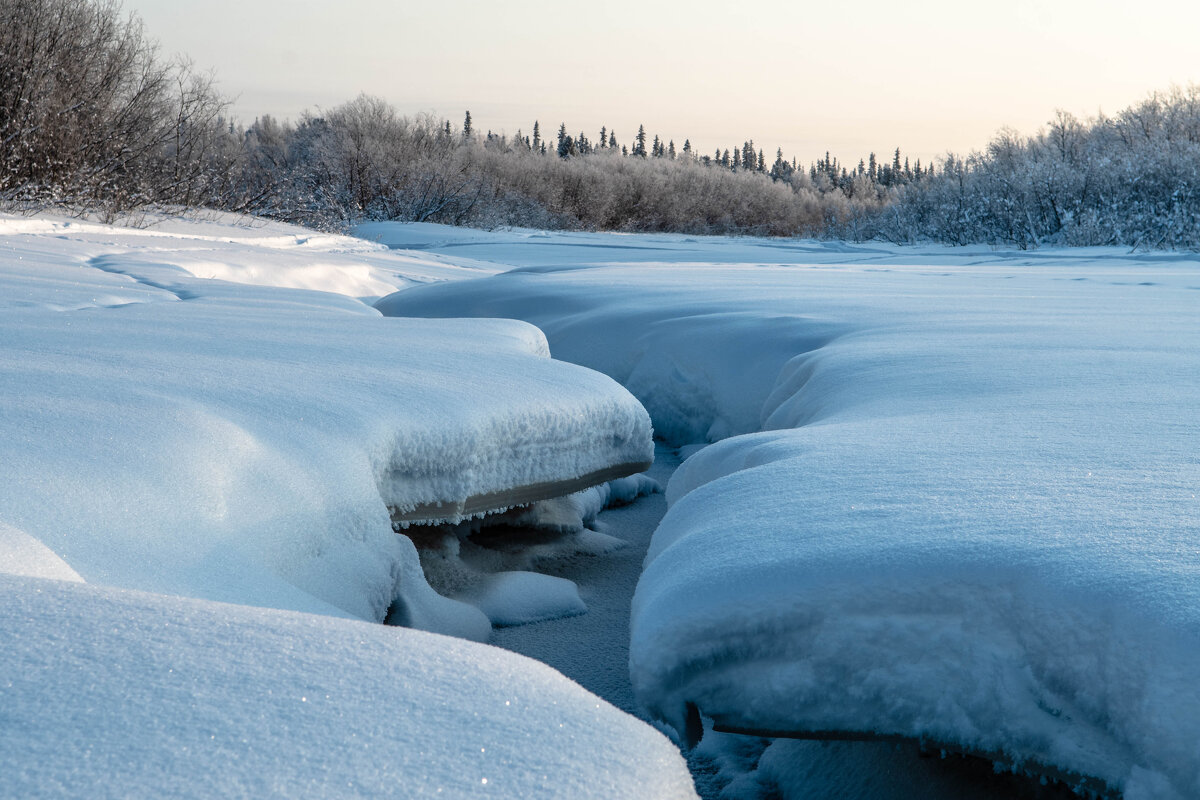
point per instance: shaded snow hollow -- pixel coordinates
(953, 496)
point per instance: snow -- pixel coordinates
(952, 495)
(244, 444)
(518, 598)
(205, 431)
(115, 693)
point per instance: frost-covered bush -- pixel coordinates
(91, 117)
(1131, 180)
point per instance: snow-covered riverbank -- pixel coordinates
(951, 496)
(167, 430)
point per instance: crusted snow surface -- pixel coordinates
(116, 693)
(953, 496)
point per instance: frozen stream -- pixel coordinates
(593, 649)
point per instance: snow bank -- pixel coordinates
(963, 508)
(111, 693)
(518, 598)
(232, 248)
(238, 443)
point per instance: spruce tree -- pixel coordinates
(467, 129)
(537, 136)
(639, 147)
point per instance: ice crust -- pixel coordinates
(114, 693)
(953, 496)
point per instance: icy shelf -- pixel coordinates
(479, 504)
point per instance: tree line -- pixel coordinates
(93, 119)
(1132, 179)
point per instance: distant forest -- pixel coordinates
(92, 119)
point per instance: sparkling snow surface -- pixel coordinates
(954, 495)
(229, 440)
(113, 693)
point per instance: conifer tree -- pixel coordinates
(749, 160)
(639, 147)
(537, 136)
(467, 129)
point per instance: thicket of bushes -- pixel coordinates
(362, 160)
(92, 118)
(1132, 180)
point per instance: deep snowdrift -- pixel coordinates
(970, 515)
(112, 693)
(226, 440)
(243, 444)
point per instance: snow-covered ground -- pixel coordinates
(209, 411)
(109, 693)
(953, 494)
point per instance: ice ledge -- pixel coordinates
(475, 505)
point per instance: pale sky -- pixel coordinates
(927, 76)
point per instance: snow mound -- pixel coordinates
(954, 496)
(518, 598)
(119, 693)
(244, 443)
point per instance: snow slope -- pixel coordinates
(954, 496)
(113, 693)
